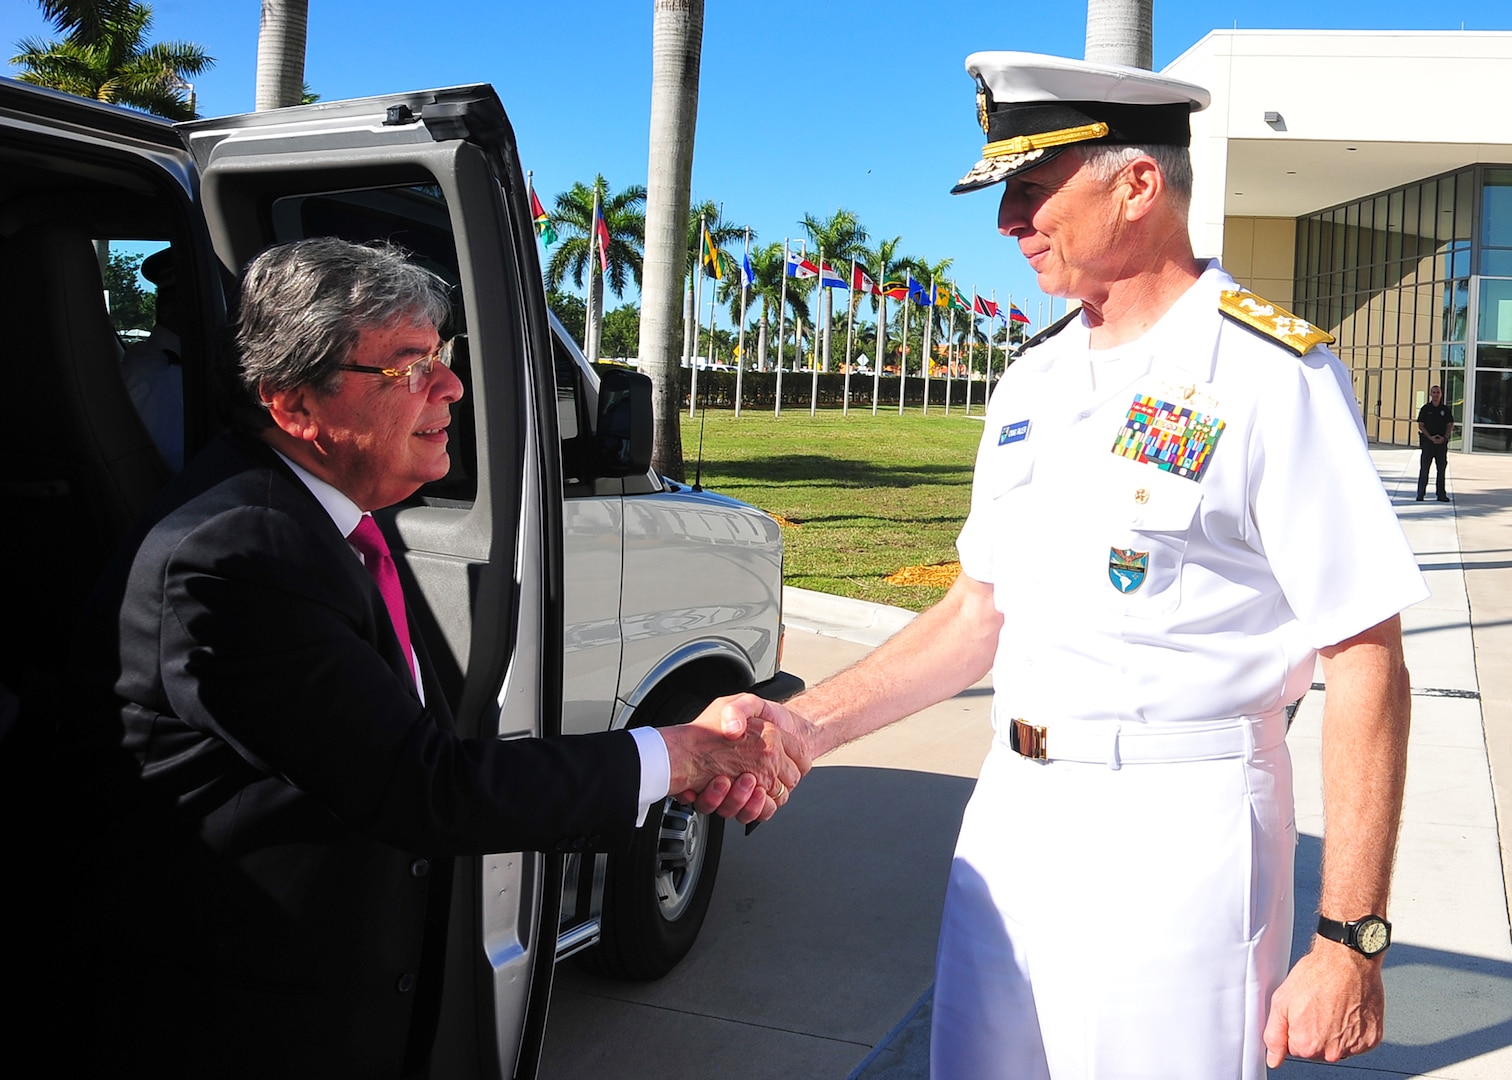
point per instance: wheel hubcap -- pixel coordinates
(679, 858)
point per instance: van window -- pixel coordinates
(146, 310)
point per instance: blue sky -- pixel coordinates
(804, 107)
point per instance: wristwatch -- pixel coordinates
(1368, 936)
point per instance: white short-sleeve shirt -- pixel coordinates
(1192, 576)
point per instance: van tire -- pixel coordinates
(657, 893)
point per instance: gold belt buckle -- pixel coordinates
(1027, 739)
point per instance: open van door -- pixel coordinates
(436, 172)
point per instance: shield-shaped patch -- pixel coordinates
(1127, 567)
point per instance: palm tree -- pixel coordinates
(931, 273)
(87, 18)
(676, 49)
(839, 238)
(1119, 32)
(766, 294)
(103, 56)
(625, 218)
(881, 262)
(707, 214)
(281, 54)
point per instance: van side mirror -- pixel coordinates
(625, 423)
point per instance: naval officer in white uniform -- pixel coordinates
(1174, 514)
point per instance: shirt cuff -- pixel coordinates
(655, 770)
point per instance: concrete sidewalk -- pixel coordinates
(816, 960)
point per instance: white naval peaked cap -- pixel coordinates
(1032, 106)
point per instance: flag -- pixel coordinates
(918, 292)
(543, 226)
(799, 267)
(709, 255)
(958, 301)
(830, 279)
(894, 290)
(861, 282)
(747, 275)
(942, 296)
(1015, 315)
(602, 230)
(986, 307)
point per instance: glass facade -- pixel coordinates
(1416, 285)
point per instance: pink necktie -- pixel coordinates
(368, 539)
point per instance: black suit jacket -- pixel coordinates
(274, 805)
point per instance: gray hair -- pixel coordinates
(1105, 162)
(303, 305)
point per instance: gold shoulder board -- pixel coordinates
(1298, 335)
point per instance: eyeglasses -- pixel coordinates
(415, 373)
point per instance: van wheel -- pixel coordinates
(657, 893)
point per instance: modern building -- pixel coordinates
(1363, 180)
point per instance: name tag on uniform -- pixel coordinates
(1017, 431)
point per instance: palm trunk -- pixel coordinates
(690, 324)
(1119, 32)
(676, 48)
(281, 53)
(761, 343)
(829, 321)
(593, 331)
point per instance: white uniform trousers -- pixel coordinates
(1125, 923)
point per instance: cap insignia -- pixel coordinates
(984, 102)
(1298, 335)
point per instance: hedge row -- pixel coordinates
(759, 389)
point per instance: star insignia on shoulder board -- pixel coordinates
(1297, 334)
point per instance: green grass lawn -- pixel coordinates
(867, 496)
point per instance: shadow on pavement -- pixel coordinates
(1442, 1008)
(820, 937)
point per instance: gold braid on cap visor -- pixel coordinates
(1022, 144)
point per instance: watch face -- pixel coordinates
(1372, 936)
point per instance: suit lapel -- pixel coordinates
(290, 490)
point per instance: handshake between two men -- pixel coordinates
(741, 757)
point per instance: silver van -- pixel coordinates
(563, 585)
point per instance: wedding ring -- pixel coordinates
(780, 792)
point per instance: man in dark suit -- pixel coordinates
(260, 745)
(1435, 423)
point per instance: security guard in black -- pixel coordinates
(1435, 424)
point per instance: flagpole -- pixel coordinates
(903, 357)
(713, 309)
(950, 351)
(714, 253)
(970, 346)
(819, 295)
(697, 318)
(740, 348)
(589, 308)
(881, 333)
(850, 324)
(928, 341)
(781, 326)
(987, 385)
